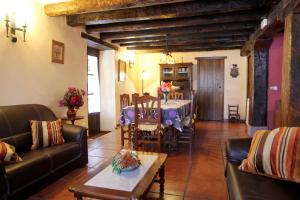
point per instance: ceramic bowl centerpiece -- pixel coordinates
(124, 161)
(73, 100)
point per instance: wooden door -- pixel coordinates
(210, 89)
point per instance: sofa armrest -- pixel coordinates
(237, 149)
(73, 133)
(3, 183)
(78, 134)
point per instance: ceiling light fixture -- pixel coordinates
(166, 56)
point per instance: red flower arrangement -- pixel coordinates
(73, 98)
(166, 87)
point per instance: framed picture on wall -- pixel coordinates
(58, 52)
(122, 70)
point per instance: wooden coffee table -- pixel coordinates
(156, 173)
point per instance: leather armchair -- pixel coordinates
(247, 186)
(3, 183)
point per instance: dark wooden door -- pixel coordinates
(210, 89)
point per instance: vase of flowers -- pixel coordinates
(166, 88)
(73, 99)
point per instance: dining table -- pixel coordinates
(173, 113)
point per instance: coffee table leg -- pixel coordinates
(162, 180)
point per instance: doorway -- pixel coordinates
(93, 91)
(210, 87)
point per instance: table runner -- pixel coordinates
(126, 181)
(173, 113)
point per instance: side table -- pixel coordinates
(72, 119)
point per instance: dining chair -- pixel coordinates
(125, 129)
(187, 135)
(147, 131)
(176, 95)
(133, 97)
(233, 113)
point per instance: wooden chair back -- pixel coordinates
(133, 97)
(233, 109)
(176, 95)
(124, 100)
(147, 110)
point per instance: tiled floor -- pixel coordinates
(198, 176)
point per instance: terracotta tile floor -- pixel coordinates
(198, 176)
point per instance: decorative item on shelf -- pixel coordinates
(73, 99)
(234, 71)
(124, 161)
(166, 56)
(58, 52)
(122, 71)
(11, 29)
(166, 88)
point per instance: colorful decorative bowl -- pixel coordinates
(125, 161)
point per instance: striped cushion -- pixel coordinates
(46, 133)
(8, 154)
(275, 153)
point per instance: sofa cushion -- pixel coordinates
(62, 154)
(8, 154)
(275, 153)
(46, 133)
(247, 186)
(35, 165)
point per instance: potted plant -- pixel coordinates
(73, 99)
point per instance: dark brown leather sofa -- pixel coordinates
(246, 186)
(39, 167)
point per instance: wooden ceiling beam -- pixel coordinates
(275, 24)
(177, 22)
(198, 46)
(84, 6)
(187, 42)
(93, 41)
(211, 35)
(183, 48)
(165, 11)
(181, 30)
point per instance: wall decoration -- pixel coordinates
(234, 71)
(58, 52)
(122, 70)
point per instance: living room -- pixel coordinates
(195, 61)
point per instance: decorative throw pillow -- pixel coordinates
(275, 153)
(8, 154)
(46, 133)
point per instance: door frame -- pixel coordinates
(198, 81)
(93, 52)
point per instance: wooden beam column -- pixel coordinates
(259, 82)
(291, 71)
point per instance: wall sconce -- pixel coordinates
(11, 29)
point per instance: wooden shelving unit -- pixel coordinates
(181, 74)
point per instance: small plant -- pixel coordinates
(73, 98)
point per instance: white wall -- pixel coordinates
(128, 86)
(107, 90)
(27, 74)
(235, 89)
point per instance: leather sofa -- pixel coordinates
(39, 167)
(247, 186)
